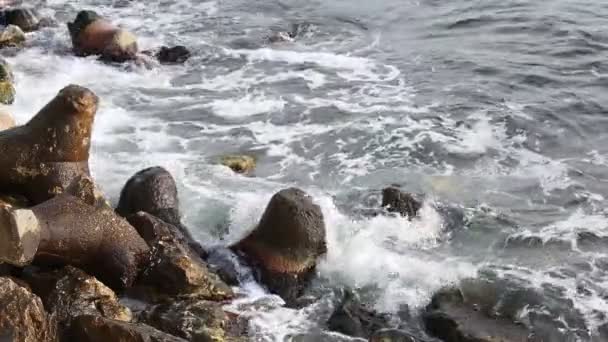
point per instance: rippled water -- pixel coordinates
(494, 107)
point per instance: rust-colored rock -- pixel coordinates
(41, 158)
(94, 239)
(89, 328)
(287, 243)
(174, 267)
(22, 315)
(93, 35)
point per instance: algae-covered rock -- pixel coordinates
(239, 163)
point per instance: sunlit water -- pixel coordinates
(494, 107)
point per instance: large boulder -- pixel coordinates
(22, 315)
(174, 267)
(154, 191)
(92, 328)
(353, 318)
(94, 239)
(194, 320)
(287, 243)
(42, 158)
(93, 35)
(468, 314)
(11, 35)
(25, 18)
(397, 201)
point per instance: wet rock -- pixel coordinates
(174, 267)
(11, 35)
(280, 37)
(457, 316)
(12, 200)
(225, 264)
(173, 55)
(22, 315)
(194, 320)
(353, 318)
(393, 335)
(41, 158)
(152, 190)
(76, 293)
(239, 163)
(287, 243)
(396, 201)
(7, 90)
(94, 239)
(25, 18)
(84, 188)
(90, 328)
(6, 120)
(20, 235)
(93, 35)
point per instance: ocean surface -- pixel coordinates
(495, 112)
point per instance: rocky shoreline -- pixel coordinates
(67, 258)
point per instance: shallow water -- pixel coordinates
(494, 107)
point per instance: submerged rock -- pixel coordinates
(397, 201)
(91, 328)
(194, 320)
(287, 243)
(22, 315)
(41, 158)
(24, 18)
(93, 35)
(94, 239)
(353, 318)
(239, 163)
(173, 55)
(453, 316)
(174, 267)
(11, 35)
(393, 335)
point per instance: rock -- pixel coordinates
(173, 55)
(90, 328)
(225, 264)
(7, 90)
(174, 267)
(194, 320)
(84, 188)
(152, 190)
(238, 163)
(396, 201)
(454, 317)
(75, 233)
(76, 293)
(40, 159)
(12, 200)
(94, 36)
(22, 315)
(393, 335)
(287, 243)
(24, 18)
(11, 35)
(352, 318)
(6, 120)
(20, 235)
